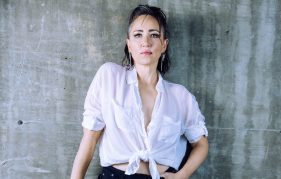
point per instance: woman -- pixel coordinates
(141, 120)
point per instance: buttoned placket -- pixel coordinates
(141, 116)
(145, 132)
(144, 154)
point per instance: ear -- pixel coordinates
(165, 45)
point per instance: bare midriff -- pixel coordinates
(143, 169)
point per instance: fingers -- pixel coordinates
(164, 175)
(167, 175)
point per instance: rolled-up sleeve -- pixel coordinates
(194, 123)
(92, 116)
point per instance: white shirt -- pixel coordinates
(113, 103)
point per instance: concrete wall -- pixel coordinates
(227, 53)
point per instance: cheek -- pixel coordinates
(133, 46)
(130, 44)
(159, 49)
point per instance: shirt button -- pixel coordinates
(112, 175)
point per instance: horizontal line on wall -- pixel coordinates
(247, 129)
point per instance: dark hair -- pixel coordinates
(159, 15)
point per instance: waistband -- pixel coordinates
(110, 171)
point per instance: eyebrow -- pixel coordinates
(150, 30)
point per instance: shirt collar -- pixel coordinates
(131, 78)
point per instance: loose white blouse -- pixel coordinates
(113, 103)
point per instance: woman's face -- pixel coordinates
(145, 42)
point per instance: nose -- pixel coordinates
(146, 42)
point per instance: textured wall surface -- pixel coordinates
(226, 52)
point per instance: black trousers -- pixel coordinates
(114, 173)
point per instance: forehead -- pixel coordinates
(145, 22)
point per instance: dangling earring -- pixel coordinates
(130, 60)
(162, 61)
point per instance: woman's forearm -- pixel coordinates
(85, 154)
(196, 158)
(81, 164)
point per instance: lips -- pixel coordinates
(146, 53)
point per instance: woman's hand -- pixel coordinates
(197, 156)
(168, 175)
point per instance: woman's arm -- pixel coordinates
(85, 153)
(197, 156)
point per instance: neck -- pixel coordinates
(147, 75)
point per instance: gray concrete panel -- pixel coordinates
(227, 53)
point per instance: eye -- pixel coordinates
(138, 35)
(155, 35)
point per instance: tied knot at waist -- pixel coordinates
(144, 155)
(134, 164)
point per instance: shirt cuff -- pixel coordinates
(194, 133)
(93, 124)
